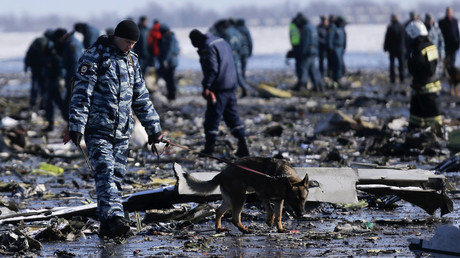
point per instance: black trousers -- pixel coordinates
(400, 58)
(450, 57)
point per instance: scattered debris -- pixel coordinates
(354, 227)
(15, 242)
(267, 91)
(48, 169)
(338, 122)
(352, 142)
(333, 185)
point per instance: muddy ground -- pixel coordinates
(286, 126)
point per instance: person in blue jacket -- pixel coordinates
(246, 44)
(90, 33)
(219, 84)
(168, 58)
(337, 43)
(70, 49)
(306, 54)
(323, 43)
(142, 48)
(109, 89)
(226, 29)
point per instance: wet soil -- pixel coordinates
(285, 126)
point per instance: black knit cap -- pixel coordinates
(196, 37)
(127, 29)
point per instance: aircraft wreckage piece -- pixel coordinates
(444, 243)
(417, 186)
(338, 185)
(333, 185)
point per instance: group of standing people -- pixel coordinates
(159, 48)
(311, 44)
(422, 46)
(53, 56)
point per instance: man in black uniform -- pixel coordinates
(394, 45)
(450, 32)
(219, 84)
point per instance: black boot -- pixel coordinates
(208, 148)
(114, 227)
(244, 92)
(243, 150)
(297, 87)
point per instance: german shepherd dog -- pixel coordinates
(281, 184)
(453, 77)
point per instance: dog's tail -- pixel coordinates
(202, 187)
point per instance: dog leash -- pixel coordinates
(168, 142)
(86, 158)
(155, 151)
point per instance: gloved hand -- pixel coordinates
(209, 95)
(156, 138)
(166, 64)
(75, 137)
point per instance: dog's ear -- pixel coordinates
(303, 183)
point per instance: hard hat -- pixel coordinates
(416, 28)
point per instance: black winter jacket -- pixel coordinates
(394, 39)
(450, 32)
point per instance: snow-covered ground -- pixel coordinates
(364, 48)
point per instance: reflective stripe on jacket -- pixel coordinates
(294, 34)
(425, 121)
(431, 87)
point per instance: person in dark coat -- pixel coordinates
(449, 29)
(295, 37)
(307, 53)
(225, 29)
(168, 58)
(246, 46)
(395, 46)
(219, 84)
(70, 49)
(90, 33)
(337, 44)
(294, 33)
(323, 38)
(413, 16)
(54, 71)
(142, 48)
(36, 59)
(422, 62)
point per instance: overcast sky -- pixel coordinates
(88, 8)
